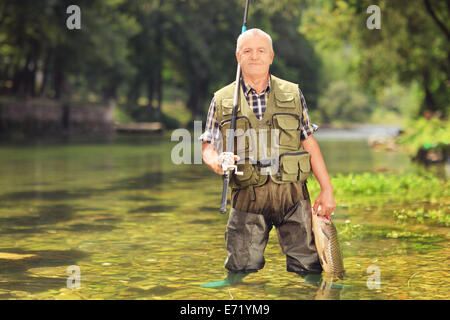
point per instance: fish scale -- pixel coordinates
(327, 244)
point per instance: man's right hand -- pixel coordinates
(211, 158)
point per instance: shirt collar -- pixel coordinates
(247, 88)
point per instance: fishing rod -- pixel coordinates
(228, 156)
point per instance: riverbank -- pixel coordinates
(43, 117)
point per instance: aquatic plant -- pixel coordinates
(439, 216)
(412, 197)
(423, 186)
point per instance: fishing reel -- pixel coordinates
(227, 161)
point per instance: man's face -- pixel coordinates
(255, 55)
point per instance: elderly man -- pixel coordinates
(278, 198)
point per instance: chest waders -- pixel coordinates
(272, 189)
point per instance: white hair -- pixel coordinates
(253, 32)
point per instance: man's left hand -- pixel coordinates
(326, 202)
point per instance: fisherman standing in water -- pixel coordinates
(260, 200)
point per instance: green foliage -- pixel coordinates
(397, 104)
(138, 48)
(425, 133)
(349, 231)
(121, 117)
(133, 49)
(36, 40)
(411, 47)
(440, 216)
(428, 195)
(339, 101)
(406, 186)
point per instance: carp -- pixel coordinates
(327, 245)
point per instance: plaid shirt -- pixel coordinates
(258, 104)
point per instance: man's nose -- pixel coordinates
(254, 55)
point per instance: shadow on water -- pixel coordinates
(20, 280)
(154, 180)
(203, 221)
(147, 181)
(154, 209)
(49, 216)
(56, 195)
(45, 215)
(137, 198)
(155, 291)
(209, 209)
(84, 227)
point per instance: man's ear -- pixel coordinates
(237, 56)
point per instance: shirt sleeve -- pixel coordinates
(212, 132)
(308, 128)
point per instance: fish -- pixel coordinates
(327, 245)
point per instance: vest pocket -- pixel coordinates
(247, 168)
(295, 166)
(250, 176)
(305, 166)
(285, 100)
(289, 169)
(288, 124)
(227, 107)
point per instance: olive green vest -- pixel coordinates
(283, 112)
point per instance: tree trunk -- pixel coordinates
(150, 93)
(441, 24)
(45, 71)
(159, 92)
(428, 101)
(196, 98)
(20, 77)
(134, 91)
(159, 60)
(32, 77)
(57, 82)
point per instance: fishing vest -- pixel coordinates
(262, 150)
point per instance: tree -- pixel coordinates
(411, 46)
(35, 39)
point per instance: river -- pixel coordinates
(119, 219)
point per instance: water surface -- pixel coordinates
(140, 227)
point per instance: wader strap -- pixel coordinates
(252, 193)
(305, 191)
